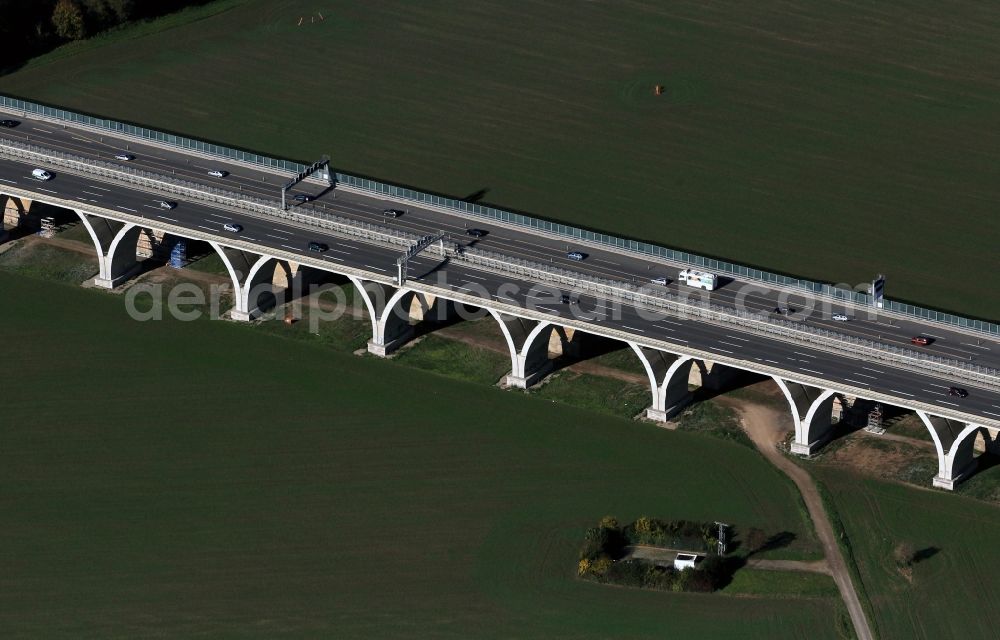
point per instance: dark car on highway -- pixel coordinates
(392, 213)
(9, 123)
(958, 392)
(318, 247)
(920, 340)
(576, 255)
(477, 233)
(301, 197)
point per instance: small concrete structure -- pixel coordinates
(686, 561)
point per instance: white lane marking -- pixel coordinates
(375, 268)
(10, 181)
(94, 186)
(737, 338)
(679, 324)
(857, 381)
(731, 344)
(334, 258)
(469, 275)
(275, 237)
(80, 139)
(772, 361)
(902, 393)
(990, 413)
(606, 261)
(870, 369)
(249, 238)
(149, 206)
(864, 375)
(808, 355)
(498, 297)
(718, 349)
(200, 226)
(216, 215)
(659, 326)
(84, 199)
(625, 326)
(166, 218)
(538, 307)
(99, 195)
(801, 360)
(951, 403)
(975, 346)
(127, 209)
(679, 340)
(943, 386)
(287, 233)
(339, 251)
(937, 393)
(48, 190)
(810, 370)
(37, 129)
(292, 248)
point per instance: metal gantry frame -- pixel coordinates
(311, 169)
(423, 243)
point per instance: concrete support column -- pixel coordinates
(121, 261)
(528, 343)
(668, 381)
(115, 243)
(955, 445)
(252, 278)
(388, 308)
(812, 412)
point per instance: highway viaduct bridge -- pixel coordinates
(688, 351)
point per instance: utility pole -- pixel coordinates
(722, 537)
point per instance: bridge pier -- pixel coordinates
(116, 244)
(528, 344)
(668, 381)
(955, 442)
(812, 412)
(391, 326)
(253, 282)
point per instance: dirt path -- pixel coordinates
(762, 424)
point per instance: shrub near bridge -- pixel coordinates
(603, 550)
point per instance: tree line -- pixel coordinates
(31, 27)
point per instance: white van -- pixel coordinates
(41, 174)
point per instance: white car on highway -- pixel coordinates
(218, 173)
(840, 317)
(127, 157)
(232, 227)
(166, 204)
(660, 281)
(41, 174)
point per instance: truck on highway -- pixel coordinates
(699, 279)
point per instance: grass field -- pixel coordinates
(954, 589)
(829, 140)
(206, 478)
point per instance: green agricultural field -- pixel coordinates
(829, 140)
(207, 478)
(953, 589)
